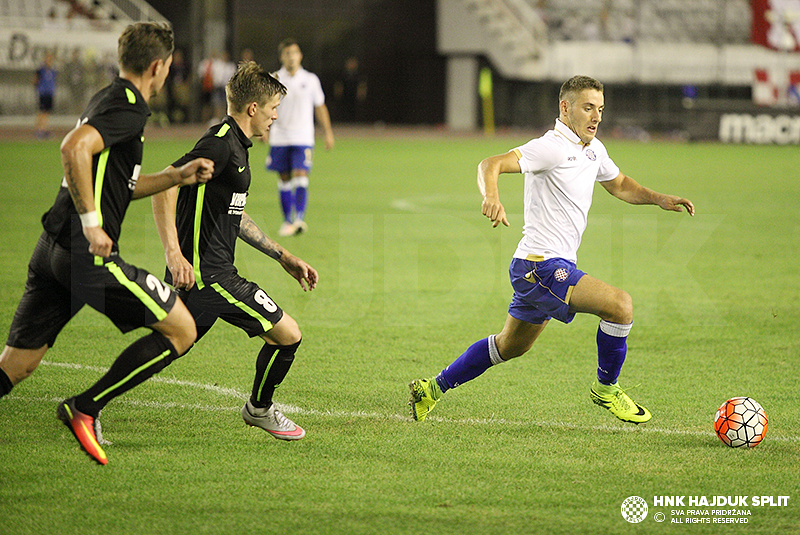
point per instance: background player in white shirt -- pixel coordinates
(560, 170)
(292, 135)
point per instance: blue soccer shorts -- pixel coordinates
(290, 158)
(542, 289)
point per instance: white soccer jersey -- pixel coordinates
(295, 123)
(560, 172)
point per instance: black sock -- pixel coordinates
(5, 384)
(272, 365)
(141, 360)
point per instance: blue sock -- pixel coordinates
(287, 199)
(300, 195)
(478, 358)
(612, 347)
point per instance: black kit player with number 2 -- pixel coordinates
(77, 262)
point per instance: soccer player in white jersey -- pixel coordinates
(560, 171)
(292, 135)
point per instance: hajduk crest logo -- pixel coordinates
(561, 274)
(634, 509)
(591, 155)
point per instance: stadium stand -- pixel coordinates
(71, 13)
(82, 34)
(631, 40)
(651, 54)
(681, 21)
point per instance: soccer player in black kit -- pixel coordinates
(77, 260)
(200, 244)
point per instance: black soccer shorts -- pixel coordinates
(60, 282)
(233, 299)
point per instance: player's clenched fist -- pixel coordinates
(198, 171)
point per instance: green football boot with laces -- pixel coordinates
(424, 395)
(613, 398)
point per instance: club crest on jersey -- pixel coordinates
(561, 274)
(591, 155)
(238, 200)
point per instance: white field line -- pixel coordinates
(292, 409)
(157, 379)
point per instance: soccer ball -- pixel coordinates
(741, 422)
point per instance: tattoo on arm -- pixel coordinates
(255, 237)
(74, 191)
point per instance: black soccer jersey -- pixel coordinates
(119, 113)
(208, 215)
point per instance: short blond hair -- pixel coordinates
(251, 83)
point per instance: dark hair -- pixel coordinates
(251, 83)
(143, 43)
(286, 43)
(576, 84)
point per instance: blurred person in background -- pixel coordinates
(74, 75)
(179, 88)
(246, 55)
(45, 83)
(291, 137)
(205, 73)
(222, 68)
(350, 92)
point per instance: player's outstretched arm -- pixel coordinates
(627, 189)
(198, 171)
(252, 235)
(489, 171)
(77, 150)
(164, 216)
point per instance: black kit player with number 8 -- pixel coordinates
(199, 238)
(77, 262)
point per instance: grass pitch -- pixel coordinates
(411, 274)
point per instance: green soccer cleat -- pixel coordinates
(613, 398)
(424, 395)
